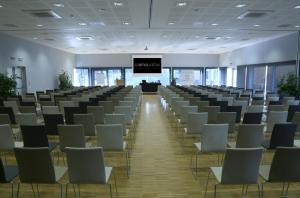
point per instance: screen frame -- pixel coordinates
(147, 56)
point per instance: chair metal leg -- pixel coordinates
(78, 190)
(127, 164)
(196, 166)
(12, 190)
(74, 190)
(61, 190)
(215, 191)
(283, 189)
(18, 190)
(115, 181)
(66, 195)
(287, 189)
(32, 188)
(37, 190)
(258, 190)
(110, 191)
(206, 184)
(262, 190)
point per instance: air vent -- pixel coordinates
(10, 25)
(212, 37)
(84, 38)
(254, 14)
(49, 39)
(284, 25)
(43, 13)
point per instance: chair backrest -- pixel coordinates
(63, 104)
(222, 104)
(35, 165)
(227, 117)
(4, 119)
(51, 122)
(212, 113)
(116, 119)
(87, 121)
(214, 137)
(195, 122)
(98, 112)
(283, 135)
(70, 111)
(187, 109)
(9, 111)
(6, 138)
(255, 109)
(285, 165)
(291, 111)
(50, 110)
(126, 110)
(250, 136)
(107, 105)
(34, 136)
(296, 120)
(241, 166)
(275, 117)
(252, 118)
(276, 108)
(26, 119)
(71, 136)
(13, 105)
(86, 165)
(110, 136)
(3, 178)
(243, 103)
(237, 110)
(202, 104)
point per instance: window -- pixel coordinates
(114, 74)
(188, 76)
(234, 77)
(81, 77)
(100, 78)
(212, 76)
(229, 77)
(134, 80)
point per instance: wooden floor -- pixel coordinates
(160, 166)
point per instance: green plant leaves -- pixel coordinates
(7, 86)
(64, 81)
(289, 85)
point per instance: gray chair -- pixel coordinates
(227, 117)
(283, 169)
(240, 167)
(87, 121)
(296, 120)
(255, 109)
(86, 166)
(127, 111)
(195, 122)
(7, 142)
(212, 113)
(98, 112)
(36, 167)
(213, 140)
(117, 119)
(107, 105)
(50, 110)
(7, 175)
(4, 119)
(276, 117)
(13, 104)
(26, 119)
(71, 136)
(249, 136)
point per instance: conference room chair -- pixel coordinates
(13, 104)
(283, 169)
(229, 100)
(222, 104)
(241, 167)
(276, 108)
(242, 103)
(178, 107)
(252, 118)
(107, 105)
(50, 110)
(36, 167)
(275, 117)
(70, 111)
(110, 138)
(87, 121)
(291, 102)
(255, 109)
(47, 103)
(237, 110)
(249, 136)
(26, 119)
(202, 104)
(9, 111)
(4, 119)
(194, 101)
(117, 119)
(35, 136)
(51, 121)
(127, 111)
(98, 112)
(86, 166)
(282, 135)
(296, 120)
(195, 123)
(257, 101)
(287, 98)
(184, 113)
(8, 174)
(63, 104)
(212, 113)
(271, 98)
(213, 140)
(227, 117)
(275, 103)
(291, 111)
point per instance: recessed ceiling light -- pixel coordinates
(39, 25)
(181, 4)
(228, 37)
(297, 7)
(1, 6)
(118, 4)
(126, 23)
(35, 38)
(164, 36)
(83, 24)
(171, 23)
(101, 10)
(197, 36)
(240, 5)
(297, 26)
(60, 5)
(214, 24)
(84, 38)
(256, 25)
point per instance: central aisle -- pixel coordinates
(159, 167)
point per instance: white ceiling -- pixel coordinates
(192, 24)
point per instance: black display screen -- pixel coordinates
(146, 65)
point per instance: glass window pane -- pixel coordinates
(113, 75)
(134, 80)
(188, 76)
(234, 77)
(229, 76)
(100, 78)
(212, 76)
(81, 77)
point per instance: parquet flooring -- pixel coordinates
(160, 166)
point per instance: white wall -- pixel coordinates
(276, 50)
(43, 64)
(169, 60)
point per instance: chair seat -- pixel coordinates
(266, 144)
(190, 133)
(59, 172)
(19, 144)
(10, 172)
(297, 143)
(231, 144)
(52, 145)
(264, 171)
(217, 171)
(198, 146)
(108, 171)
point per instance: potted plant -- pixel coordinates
(7, 86)
(64, 81)
(289, 86)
